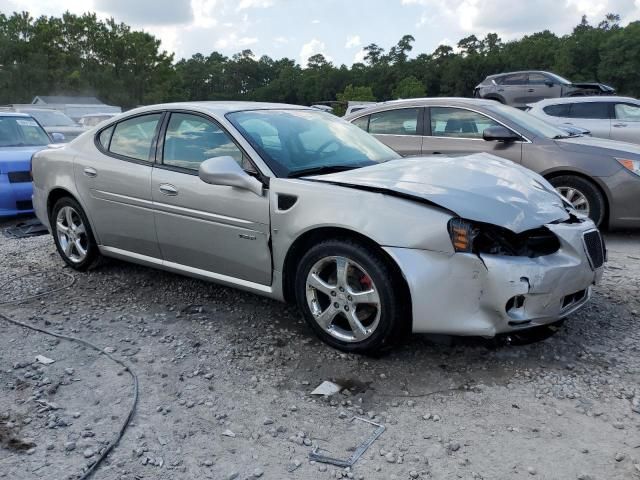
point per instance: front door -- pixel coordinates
(626, 124)
(218, 229)
(114, 184)
(459, 131)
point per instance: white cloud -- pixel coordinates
(315, 22)
(359, 56)
(353, 41)
(234, 41)
(244, 4)
(311, 48)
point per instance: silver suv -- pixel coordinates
(520, 88)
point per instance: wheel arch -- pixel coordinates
(310, 237)
(496, 97)
(60, 192)
(595, 181)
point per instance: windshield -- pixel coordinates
(21, 132)
(51, 118)
(538, 127)
(298, 141)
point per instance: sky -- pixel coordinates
(339, 29)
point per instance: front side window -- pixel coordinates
(133, 137)
(21, 132)
(295, 141)
(192, 139)
(459, 123)
(592, 110)
(627, 112)
(560, 110)
(403, 121)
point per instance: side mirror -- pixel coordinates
(500, 134)
(57, 137)
(225, 171)
(549, 83)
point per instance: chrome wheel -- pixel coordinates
(72, 234)
(576, 198)
(343, 299)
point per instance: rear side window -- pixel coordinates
(593, 110)
(133, 137)
(403, 121)
(627, 112)
(362, 122)
(561, 110)
(105, 137)
(515, 79)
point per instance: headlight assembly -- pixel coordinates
(631, 165)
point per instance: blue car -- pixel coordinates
(20, 137)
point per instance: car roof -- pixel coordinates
(14, 114)
(581, 99)
(515, 73)
(423, 102)
(219, 107)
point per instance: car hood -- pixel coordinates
(14, 159)
(603, 146)
(479, 187)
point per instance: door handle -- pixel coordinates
(619, 125)
(90, 172)
(168, 189)
(531, 90)
(436, 153)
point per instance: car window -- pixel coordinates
(133, 137)
(593, 110)
(458, 122)
(192, 139)
(560, 110)
(362, 122)
(21, 131)
(627, 112)
(538, 79)
(51, 118)
(105, 137)
(515, 79)
(403, 121)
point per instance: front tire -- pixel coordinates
(351, 296)
(72, 234)
(585, 197)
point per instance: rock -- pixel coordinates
(258, 472)
(391, 457)
(322, 467)
(532, 471)
(229, 433)
(233, 475)
(618, 425)
(69, 446)
(268, 421)
(586, 476)
(620, 456)
(88, 453)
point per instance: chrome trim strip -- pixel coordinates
(199, 214)
(191, 271)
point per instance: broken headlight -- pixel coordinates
(476, 237)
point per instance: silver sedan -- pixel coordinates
(301, 206)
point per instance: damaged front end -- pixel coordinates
(498, 281)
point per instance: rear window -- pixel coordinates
(133, 137)
(592, 110)
(561, 110)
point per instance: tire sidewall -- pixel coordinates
(380, 274)
(590, 191)
(92, 247)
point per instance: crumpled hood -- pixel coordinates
(15, 159)
(480, 187)
(608, 147)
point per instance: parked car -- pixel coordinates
(601, 178)
(54, 121)
(617, 118)
(269, 198)
(520, 88)
(93, 119)
(20, 137)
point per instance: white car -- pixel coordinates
(616, 118)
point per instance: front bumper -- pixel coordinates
(15, 198)
(464, 294)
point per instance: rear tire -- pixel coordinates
(351, 296)
(72, 234)
(583, 194)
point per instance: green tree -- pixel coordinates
(409, 87)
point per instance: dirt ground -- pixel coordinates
(225, 380)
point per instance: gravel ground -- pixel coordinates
(225, 381)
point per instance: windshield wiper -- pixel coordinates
(323, 170)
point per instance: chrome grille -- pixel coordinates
(594, 246)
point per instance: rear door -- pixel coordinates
(626, 124)
(594, 116)
(212, 228)
(114, 182)
(455, 130)
(401, 129)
